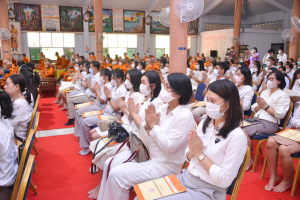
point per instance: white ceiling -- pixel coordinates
(225, 8)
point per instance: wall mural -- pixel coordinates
(107, 21)
(156, 27)
(134, 21)
(29, 15)
(71, 19)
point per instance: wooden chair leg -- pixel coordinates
(264, 169)
(33, 187)
(35, 139)
(258, 149)
(34, 170)
(34, 148)
(295, 180)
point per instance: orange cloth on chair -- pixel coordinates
(117, 66)
(26, 59)
(58, 61)
(16, 69)
(42, 64)
(49, 73)
(5, 77)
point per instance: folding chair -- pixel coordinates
(249, 112)
(264, 138)
(201, 87)
(34, 127)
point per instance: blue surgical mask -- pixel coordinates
(298, 63)
(91, 71)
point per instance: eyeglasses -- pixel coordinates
(271, 79)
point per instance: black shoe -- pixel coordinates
(70, 122)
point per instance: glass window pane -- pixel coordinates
(189, 42)
(50, 52)
(167, 51)
(112, 40)
(167, 42)
(57, 40)
(105, 52)
(132, 41)
(159, 53)
(69, 40)
(68, 53)
(105, 41)
(33, 39)
(159, 41)
(34, 54)
(45, 40)
(130, 52)
(122, 40)
(113, 51)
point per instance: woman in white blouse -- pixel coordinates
(21, 100)
(8, 154)
(289, 72)
(211, 67)
(286, 78)
(216, 149)
(257, 75)
(272, 106)
(167, 129)
(133, 108)
(196, 75)
(296, 88)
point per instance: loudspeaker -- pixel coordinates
(213, 53)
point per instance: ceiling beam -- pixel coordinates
(211, 7)
(151, 6)
(278, 5)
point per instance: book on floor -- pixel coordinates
(83, 105)
(199, 104)
(103, 117)
(159, 188)
(92, 113)
(290, 134)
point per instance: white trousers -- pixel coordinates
(123, 176)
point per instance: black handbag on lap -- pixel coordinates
(117, 133)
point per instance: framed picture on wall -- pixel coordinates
(16, 39)
(134, 21)
(11, 14)
(107, 21)
(71, 19)
(29, 15)
(156, 27)
(193, 27)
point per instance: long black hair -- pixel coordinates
(201, 64)
(181, 85)
(118, 74)
(21, 81)
(153, 78)
(247, 74)
(31, 84)
(258, 65)
(229, 92)
(5, 105)
(135, 79)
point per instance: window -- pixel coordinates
(49, 43)
(162, 45)
(118, 44)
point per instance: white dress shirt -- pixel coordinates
(22, 114)
(78, 85)
(109, 86)
(95, 78)
(227, 155)
(266, 57)
(290, 74)
(8, 154)
(282, 57)
(295, 121)
(279, 101)
(168, 140)
(256, 78)
(287, 82)
(199, 75)
(246, 93)
(116, 93)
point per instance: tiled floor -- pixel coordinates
(55, 132)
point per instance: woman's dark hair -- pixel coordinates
(273, 69)
(258, 65)
(136, 63)
(295, 74)
(181, 85)
(227, 63)
(229, 92)
(87, 66)
(223, 66)
(247, 74)
(5, 105)
(31, 84)
(281, 63)
(163, 61)
(280, 77)
(291, 66)
(255, 49)
(107, 72)
(201, 64)
(135, 79)
(96, 64)
(20, 63)
(21, 81)
(243, 64)
(143, 64)
(118, 74)
(153, 78)
(213, 63)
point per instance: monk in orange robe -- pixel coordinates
(92, 56)
(138, 56)
(13, 60)
(58, 60)
(48, 72)
(14, 37)
(145, 57)
(25, 59)
(15, 68)
(193, 64)
(65, 75)
(126, 56)
(152, 66)
(5, 77)
(64, 64)
(116, 65)
(103, 65)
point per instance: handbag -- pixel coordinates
(104, 125)
(117, 133)
(139, 152)
(20, 148)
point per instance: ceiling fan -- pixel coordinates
(89, 8)
(159, 8)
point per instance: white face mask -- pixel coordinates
(205, 68)
(165, 96)
(213, 110)
(197, 67)
(231, 49)
(128, 85)
(288, 70)
(132, 65)
(77, 68)
(295, 67)
(114, 62)
(271, 84)
(254, 69)
(101, 80)
(233, 69)
(166, 69)
(210, 68)
(76, 60)
(279, 52)
(216, 72)
(143, 90)
(120, 63)
(139, 67)
(114, 82)
(268, 63)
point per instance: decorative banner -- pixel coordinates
(107, 21)
(118, 21)
(16, 42)
(193, 27)
(50, 18)
(29, 15)
(71, 19)
(156, 27)
(134, 21)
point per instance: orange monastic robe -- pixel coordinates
(13, 61)
(117, 66)
(26, 59)
(5, 77)
(146, 57)
(93, 57)
(42, 64)
(58, 61)
(15, 68)
(127, 57)
(103, 65)
(14, 38)
(123, 68)
(109, 65)
(193, 66)
(152, 67)
(158, 64)
(65, 64)
(49, 73)
(207, 63)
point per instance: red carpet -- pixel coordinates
(51, 117)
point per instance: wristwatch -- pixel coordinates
(108, 98)
(202, 157)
